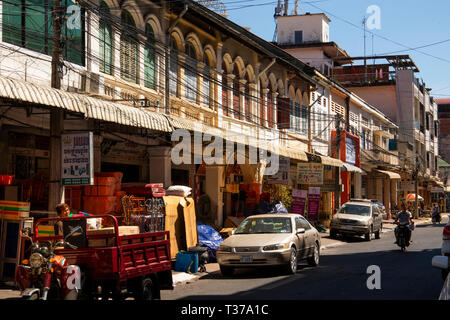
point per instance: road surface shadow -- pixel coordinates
(404, 276)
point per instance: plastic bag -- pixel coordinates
(181, 191)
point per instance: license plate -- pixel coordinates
(246, 259)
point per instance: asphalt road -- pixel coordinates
(342, 274)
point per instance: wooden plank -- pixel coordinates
(190, 222)
(174, 224)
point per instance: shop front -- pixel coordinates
(346, 147)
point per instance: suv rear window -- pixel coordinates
(350, 208)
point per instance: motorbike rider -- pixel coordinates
(404, 217)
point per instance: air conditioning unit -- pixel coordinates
(90, 83)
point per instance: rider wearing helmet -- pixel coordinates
(404, 217)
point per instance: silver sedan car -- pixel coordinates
(280, 239)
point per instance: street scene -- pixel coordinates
(224, 151)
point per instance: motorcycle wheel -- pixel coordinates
(34, 296)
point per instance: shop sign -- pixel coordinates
(77, 155)
(282, 176)
(350, 151)
(435, 189)
(407, 186)
(309, 173)
(298, 201)
(313, 203)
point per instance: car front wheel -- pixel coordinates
(314, 259)
(291, 267)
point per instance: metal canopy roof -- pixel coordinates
(396, 61)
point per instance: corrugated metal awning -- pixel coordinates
(18, 90)
(352, 168)
(331, 161)
(392, 175)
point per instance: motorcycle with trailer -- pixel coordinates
(95, 264)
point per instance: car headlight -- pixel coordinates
(275, 247)
(36, 260)
(224, 248)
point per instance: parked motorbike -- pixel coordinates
(46, 275)
(403, 236)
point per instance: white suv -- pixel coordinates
(357, 217)
(443, 261)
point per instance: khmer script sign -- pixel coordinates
(77, 159)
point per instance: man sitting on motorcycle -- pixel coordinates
(404, 217)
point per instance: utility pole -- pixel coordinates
(56, 115)
(416, 187)
(337, 191)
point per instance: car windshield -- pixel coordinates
(355, 209)
(264, 225)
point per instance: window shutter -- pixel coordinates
(283, 111)
(224, 95)
(236, 99)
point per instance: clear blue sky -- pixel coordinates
(411, 23)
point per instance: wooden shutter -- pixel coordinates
(248, 111)
(270, 110)
(224, 95)
(283, 111)
(236, 99)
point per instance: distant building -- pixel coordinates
(444, 130)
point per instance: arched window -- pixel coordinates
(191, 73)
(173, 66)
(149, 58)
(236, 95)
(128, 48)
(105, 39)
(206, 81)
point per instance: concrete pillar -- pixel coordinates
(379, 189)
(98, 153)
(358, 185)
(56, 193)
(214, 180)
(394, 196)
(387, 194)
(160, 165)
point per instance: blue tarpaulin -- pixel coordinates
(210, 238)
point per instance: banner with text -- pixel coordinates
(313, 203)
(77, 165)
(309, 173)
